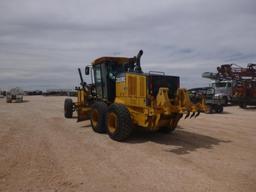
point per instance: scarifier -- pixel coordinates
(123, 97)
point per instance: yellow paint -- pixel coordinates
(162, 111)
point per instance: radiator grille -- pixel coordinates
(142, 87)
(132, 81)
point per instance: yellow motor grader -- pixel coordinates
(122, 97)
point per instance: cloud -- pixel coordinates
(43, 42)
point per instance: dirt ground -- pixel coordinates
(42, 151)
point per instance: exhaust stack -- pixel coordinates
(138, 67)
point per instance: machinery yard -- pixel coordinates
(40, 150)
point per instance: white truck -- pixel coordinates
(223, 88)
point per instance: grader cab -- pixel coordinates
(123, 97)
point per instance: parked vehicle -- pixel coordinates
(15, 94)
(222, 88)
(1, 94)
(213, 102)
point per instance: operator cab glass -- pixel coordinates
(105, 74)
(220, 84)
(114, 69)
(98, 80)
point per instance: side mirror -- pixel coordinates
(87, 70)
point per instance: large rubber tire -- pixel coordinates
(167, 129)
(225, 100)
(119, 123)
(209, 109)
(68, 108)
(219, 109)
(170, 128)
(243, 105)
(98, 117)
(8, 100)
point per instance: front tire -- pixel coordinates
(68, 108)
(119, 123)
(98, 117)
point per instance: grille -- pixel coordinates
(132, 81)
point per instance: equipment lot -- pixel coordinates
(40, 150)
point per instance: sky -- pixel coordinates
(43, 42)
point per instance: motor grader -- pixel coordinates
(122, 97)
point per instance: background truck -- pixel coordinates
(1, 94)
(223, 89)
(242, 82)
(15, 94)
(213, 102)
(123, 97)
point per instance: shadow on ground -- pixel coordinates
(251, 108)
(86, 126)
(223, 113)
(182, 141)
(24, 101)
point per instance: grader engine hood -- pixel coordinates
(157, 81)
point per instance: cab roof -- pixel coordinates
(118, 60)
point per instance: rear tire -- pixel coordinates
(68, 108)
(98, 117)
(168, 129)
(171, 127)
(220, 109)
(243, 105)
(225, 101)
(209, 109)
(119, 123)
(8, 100)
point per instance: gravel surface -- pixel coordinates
(40, 150)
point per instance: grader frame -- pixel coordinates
(123, 97)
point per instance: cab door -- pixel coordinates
(98, 81)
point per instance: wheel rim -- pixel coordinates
(112, 122)
(95, 118)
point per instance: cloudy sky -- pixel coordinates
(43, 42)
